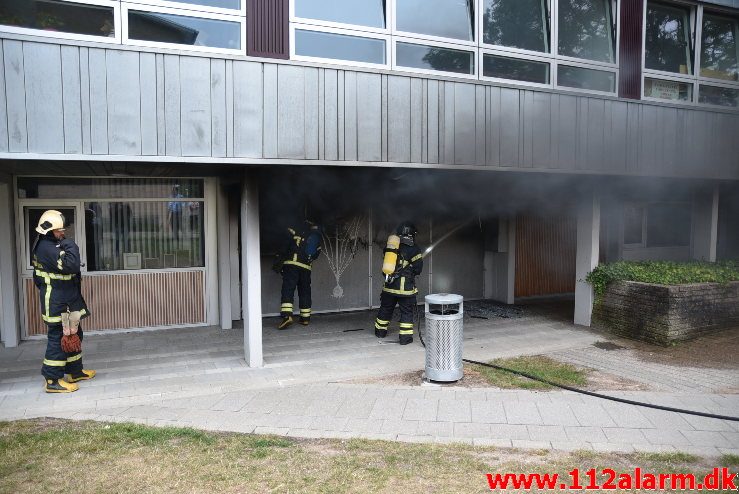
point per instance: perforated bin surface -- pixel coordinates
(444, 348)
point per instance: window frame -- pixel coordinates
(553, 57)
(346, 32)
(117, 24)
(126, 6)
(525, 57)
(424, 42)
(179, 5)
(439, 40)
(695, 78)
(306, 21)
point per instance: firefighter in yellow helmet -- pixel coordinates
(56, 273)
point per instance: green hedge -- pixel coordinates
(663, 273)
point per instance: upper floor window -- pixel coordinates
(370, 13)
(719, 49)
(667, 44)
(55, 16)
(166, 27)
(218, 4)
(522, 24)
(585, 30)
(438, 18)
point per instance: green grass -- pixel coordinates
(663, 273)
(730, 460)
(538, 366)
(41, 456)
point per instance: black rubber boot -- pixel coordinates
(305, 321)
(285, 323)
(59, 386)
(405, 339)
(380, 333)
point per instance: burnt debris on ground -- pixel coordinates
(487, 309)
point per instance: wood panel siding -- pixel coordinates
(545, 255)
(268, 28)
(630, 49)
(137, 300)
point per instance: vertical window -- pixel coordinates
(667, 43)
(520, 24)
(633, 224)
(586, 30)
(440, 18)
(57, 16)
(719, 50)
(370, 13)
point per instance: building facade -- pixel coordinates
(536, 138)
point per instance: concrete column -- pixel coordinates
(224, 258)
(588, 231)
(251, 273)
(9, 302)
(211, 246)
(705, 224)
(500, 264)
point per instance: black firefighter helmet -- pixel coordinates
(407, 232)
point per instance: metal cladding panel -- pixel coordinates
(123, 94)
(106, 101)
(267, 29)
(195, 107)
(44, 108)
(630, 49)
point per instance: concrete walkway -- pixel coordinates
(197, 377)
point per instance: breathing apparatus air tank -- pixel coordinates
(391, 256)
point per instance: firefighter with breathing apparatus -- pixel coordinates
(56, 273)
(403, 261)
(295, 266)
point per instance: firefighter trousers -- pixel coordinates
(294, 276)
(57, 362)
(388, 301)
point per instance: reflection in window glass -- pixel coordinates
(370, 13)
(516, 23)
(144, 235)
(633, 222)
(668, 225)
(443, 18)
(181, 30)
(108, 188)
(668, 90)
(721, 96)
(435, 58)
(515, 69)
(586, 30)
(719, 48)
(580, 78)
(339, 47)
(66, 17)
(221, 4)
(667, 43)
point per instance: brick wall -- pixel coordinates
(664, 314)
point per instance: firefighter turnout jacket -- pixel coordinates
(402, 282)
(302, 250)
(56, 273)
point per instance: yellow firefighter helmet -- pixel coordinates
(51, 220)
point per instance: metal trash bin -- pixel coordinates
(443, 335)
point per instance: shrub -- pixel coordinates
(663, 273)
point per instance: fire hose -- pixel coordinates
(417, 317)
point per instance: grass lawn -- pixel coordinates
(538, 366)
(50, 455)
